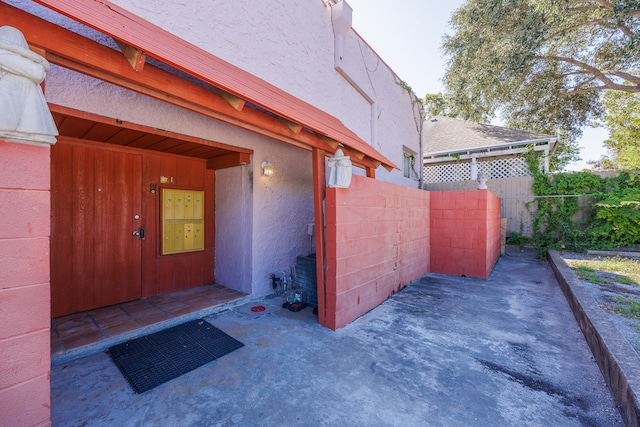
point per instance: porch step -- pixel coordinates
(63, 356)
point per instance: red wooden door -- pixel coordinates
(95, 198)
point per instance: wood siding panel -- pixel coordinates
(96, 192)
(210, 226)
(82, 247)
(167, 273)
(150, 208)
(61, 228)
(92, 226)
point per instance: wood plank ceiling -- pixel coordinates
(81, 125)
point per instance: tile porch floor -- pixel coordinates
(100, 328)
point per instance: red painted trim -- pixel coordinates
(164, 46)
(319, 186)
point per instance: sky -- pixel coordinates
(407, 34)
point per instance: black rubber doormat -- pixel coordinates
(149, 361)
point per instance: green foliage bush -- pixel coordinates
(517, 239)
(617, 221)
(613, 210)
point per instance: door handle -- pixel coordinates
(139, 233)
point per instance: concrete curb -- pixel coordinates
(615, 253)
(618, 361)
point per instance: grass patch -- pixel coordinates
(627, 270)
(590, 275)
(628, 307)
(625, 280)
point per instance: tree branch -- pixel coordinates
(604, 4)
(562, 31)
(626, 30)
(627, 76)
(597, 74)
(583, 65)
(621, 88)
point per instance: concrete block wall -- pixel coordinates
(465, 232)
(24, 285)
(494, 231)
(377, 241)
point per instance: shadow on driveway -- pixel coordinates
(445, 351)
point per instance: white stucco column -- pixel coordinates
(24, 114)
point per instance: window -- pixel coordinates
(408, 165)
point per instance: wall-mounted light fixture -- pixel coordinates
(267, 169)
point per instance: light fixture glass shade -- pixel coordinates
(267, 169)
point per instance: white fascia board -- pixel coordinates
(534, 142)
(471, 154)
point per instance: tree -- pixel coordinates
(604, 163)
(622, 118)
(435, 105)
(543, 64)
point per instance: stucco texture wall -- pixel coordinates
(377, 242)
(24, 284)
(294, 50)
(261, 221)
(465, 232)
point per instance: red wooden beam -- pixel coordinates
(72, 51)
(136, 57)
(119, 23)
(371, 173)
(228, 161)
(319, 190)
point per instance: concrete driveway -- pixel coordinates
(446, 351)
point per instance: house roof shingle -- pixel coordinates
(446, 134)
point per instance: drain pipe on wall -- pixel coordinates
(421, 145)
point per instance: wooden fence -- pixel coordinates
(517, 199)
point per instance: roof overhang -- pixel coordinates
(78, 125)
(223, 94)
(507, 149)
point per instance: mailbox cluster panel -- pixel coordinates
(182, 221)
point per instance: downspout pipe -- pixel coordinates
(421, 145)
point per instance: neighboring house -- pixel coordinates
(457, 152)
(232, 109)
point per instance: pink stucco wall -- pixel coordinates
(465, 232)
(24, 285)
(377, 241)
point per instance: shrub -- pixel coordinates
(617, 220)
(614, 210)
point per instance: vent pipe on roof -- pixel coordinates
(341, 18)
